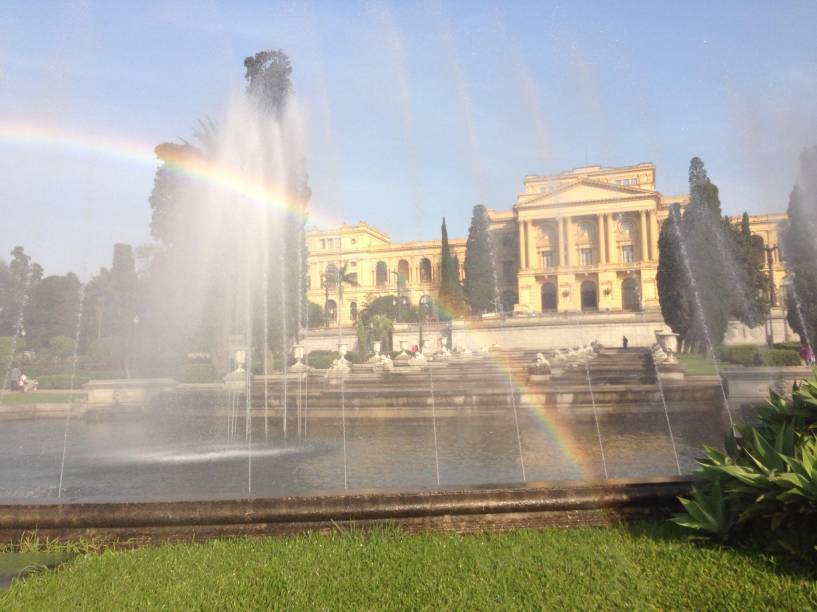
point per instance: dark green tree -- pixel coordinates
(480, 276)
(751, 299)
(451, 298)
(711, 283)
(674, 292)
(17, 279)
(268, 79)
(52, 310)
(799, 249)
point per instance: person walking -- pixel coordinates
(624, 341)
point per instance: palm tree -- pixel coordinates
(338, 277)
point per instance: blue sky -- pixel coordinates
(415, 110)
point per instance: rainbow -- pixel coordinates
(230, 180)
(233, 181)
(584, 460)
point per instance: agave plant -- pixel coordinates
(766, 480)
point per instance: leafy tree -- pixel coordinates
(315, 315)
(799, 249)
(674, 292)
(183, 222)
(391, 308)
(17, 279)
(52, 309)
(480, 276)
(268, 79)
(451, 297)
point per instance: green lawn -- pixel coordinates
(13, 398)
(700, 365)
(647, 566)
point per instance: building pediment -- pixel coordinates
(582, 191)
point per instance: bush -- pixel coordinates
(781, 357)
(792, 346)
(60, 381)
(321, 359)
(765, 485)
(742, 354)
(197, 373)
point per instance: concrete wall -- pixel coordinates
(553, 331)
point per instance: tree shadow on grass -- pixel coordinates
(751, 548)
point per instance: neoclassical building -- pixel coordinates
(582, 240)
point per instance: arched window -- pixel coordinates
(331, 311)
(353, 311)
(629, 294)
(425, 270)
(508, 299)
(381, 274)
(550, 299)
(590, 297)
(402, 273)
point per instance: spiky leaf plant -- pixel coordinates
(765, 483)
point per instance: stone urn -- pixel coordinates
(668, 341)
(298, 353)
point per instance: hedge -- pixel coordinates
(749, 355)
(60, 381)
(743, 354)
(781, 357)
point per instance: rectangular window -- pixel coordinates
(507, 270)
(323, 244)
(627, 254)
(587, 257)
(547, 259)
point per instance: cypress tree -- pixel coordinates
(673, 283)
(799, 249)
(451, 296)
(480, 276)
(711, 284)
(751, 302)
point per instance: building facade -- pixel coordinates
(582, 240)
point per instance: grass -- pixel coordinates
(646, 566)
(13, 398)
(701, 365)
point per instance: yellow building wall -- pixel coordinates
(594, 226)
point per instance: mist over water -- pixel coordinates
(228, 242)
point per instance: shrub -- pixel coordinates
(781, 357)
(765, 484)
(792, 346)
(60, 381)
(321, 359)
(743, 354)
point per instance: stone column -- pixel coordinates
(655, 231)
(611, 239)
(532, 263)
(600, 233)
(560, 242)
(569, 255)
(522, 251)
(644, 244)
